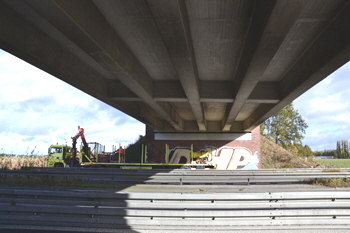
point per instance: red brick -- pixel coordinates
(156, 148)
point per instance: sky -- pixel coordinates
(38, 110)
(326, 109)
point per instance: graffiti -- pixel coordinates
(180, 155)
(224, 158)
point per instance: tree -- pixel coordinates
(308, 151)
(342, 149)
(327, 153)
(339, 149)
(286, 127)
(134, 150)
(304, 151)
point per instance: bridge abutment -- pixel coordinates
(156, 142)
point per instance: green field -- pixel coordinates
(342, 163)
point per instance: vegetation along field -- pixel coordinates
(16, 162)
(342, 163)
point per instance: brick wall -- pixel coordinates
(156, 148)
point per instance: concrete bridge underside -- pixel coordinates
(183, 66)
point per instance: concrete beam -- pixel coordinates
(169, 91)
(32, 34)
(177, 39)
(214, 91)
(180, 65)
(265, 92)
(114, 54)
(83, 58)
(252, 63)
(203, 136)
(119, 92)
(331, 47)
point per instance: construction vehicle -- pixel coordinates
(59, 156)
(67, 156)
(93, 155)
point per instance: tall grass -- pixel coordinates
(10, 162)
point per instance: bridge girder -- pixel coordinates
(176, 65)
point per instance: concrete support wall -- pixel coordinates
(156, 142)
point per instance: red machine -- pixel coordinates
(80, 133)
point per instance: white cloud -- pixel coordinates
(326, 109)
(37, 110)
(327, 103)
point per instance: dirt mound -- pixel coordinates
(274, 156)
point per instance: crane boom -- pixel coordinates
(80, 134)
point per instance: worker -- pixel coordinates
(120, 151)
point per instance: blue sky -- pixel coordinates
(326, 110)
(37, 110)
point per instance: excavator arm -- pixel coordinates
(80, 134)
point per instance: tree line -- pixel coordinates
(342, 151)
(325, 153)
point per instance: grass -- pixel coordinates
(8, 162)
(342, 163)
(332, 182)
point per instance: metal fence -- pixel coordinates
(179, 176)
(196, 211)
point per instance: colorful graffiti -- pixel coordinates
(224, 158)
